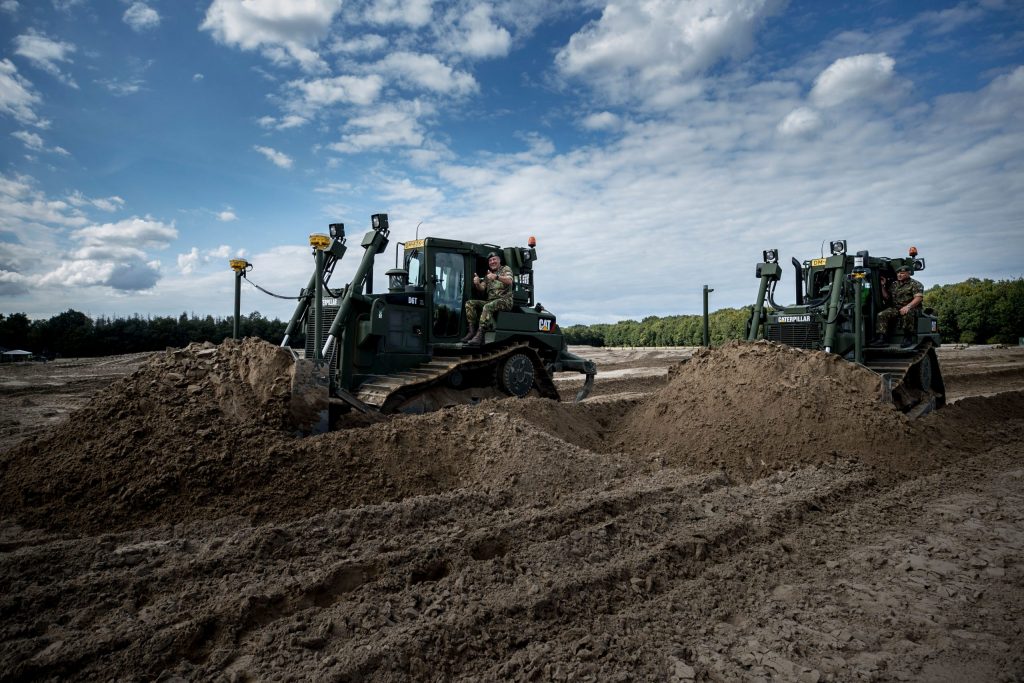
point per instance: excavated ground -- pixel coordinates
(751, 513)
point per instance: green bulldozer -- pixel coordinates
(401, 350)
(838, 298)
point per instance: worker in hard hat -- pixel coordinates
(497, 283)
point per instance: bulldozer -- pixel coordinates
(838, 297)
(401, 350)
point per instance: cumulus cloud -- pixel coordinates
(477, 35)
(193, 259)
(413, 13)
(603, 120)
(427, 71)
(112, 255)
(141, 17)
(141, 232)
(635, 50)
(10, 6)
(324, 92)
(800, 121)
(389, 126)
(278, 158)
(359, 44)
(853, 78)
(226, 216)
(284, 31)
(17, 98)
(46, 54)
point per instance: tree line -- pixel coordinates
(975, 311)
(971, 312)
(74, 334)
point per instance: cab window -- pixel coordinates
(449, 286)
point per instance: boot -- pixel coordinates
(908, 341)
(469, 334)
(879, 340)
(478, 338)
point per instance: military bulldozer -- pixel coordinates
(838, 298)
(401, 350)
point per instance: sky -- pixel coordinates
(651, 146)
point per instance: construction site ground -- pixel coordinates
(747, 513)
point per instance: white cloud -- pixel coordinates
(143, 232)
(477, 35)
(10, 6)
(45, 53)
(108, 204)
(278, 158)
(413, 13)
(853, 78)
(324, 92)
(226, 216)
(801, 121)
(604, 120)
(283, 30)
(359, 44)
(395, 125)
(35, 143)
(122, 88)
(191, 261)
(30, 140)
(636, 50)
(427, 71)
(196, 78)
(141, 17)
(17, 98)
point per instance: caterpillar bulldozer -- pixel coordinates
(838, 298)
(401, 350)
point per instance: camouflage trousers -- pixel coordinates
(484, 311)
(907, 323)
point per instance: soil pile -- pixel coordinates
(754, 408)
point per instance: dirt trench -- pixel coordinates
(758, 515)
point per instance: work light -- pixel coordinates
(838, 247)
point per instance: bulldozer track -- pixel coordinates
(387, 392)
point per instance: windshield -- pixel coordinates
(449, 284)
(414, 264)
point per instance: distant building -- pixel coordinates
(15, 355)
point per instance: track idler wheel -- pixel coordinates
(516, 374)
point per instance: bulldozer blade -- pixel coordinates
(310, 399)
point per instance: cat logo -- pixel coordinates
(544, 325)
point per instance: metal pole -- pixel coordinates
(318, 304)
(707, 334)
(239, 265)
(238, 302)
(858, 322)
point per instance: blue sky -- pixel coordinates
(652, 147)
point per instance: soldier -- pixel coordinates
(903, 299)
(498, 285)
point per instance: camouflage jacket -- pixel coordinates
(902, 293)
(496, 289)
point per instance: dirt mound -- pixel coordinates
(201, 432)
(754, 408)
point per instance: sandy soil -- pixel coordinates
(752, 513)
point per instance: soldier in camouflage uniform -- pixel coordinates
(904, 299)
(498, 285)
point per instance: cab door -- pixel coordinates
(448, 280)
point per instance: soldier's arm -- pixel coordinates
(505, 275)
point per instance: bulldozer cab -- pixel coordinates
(442, 270)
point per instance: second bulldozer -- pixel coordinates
(838, 298)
